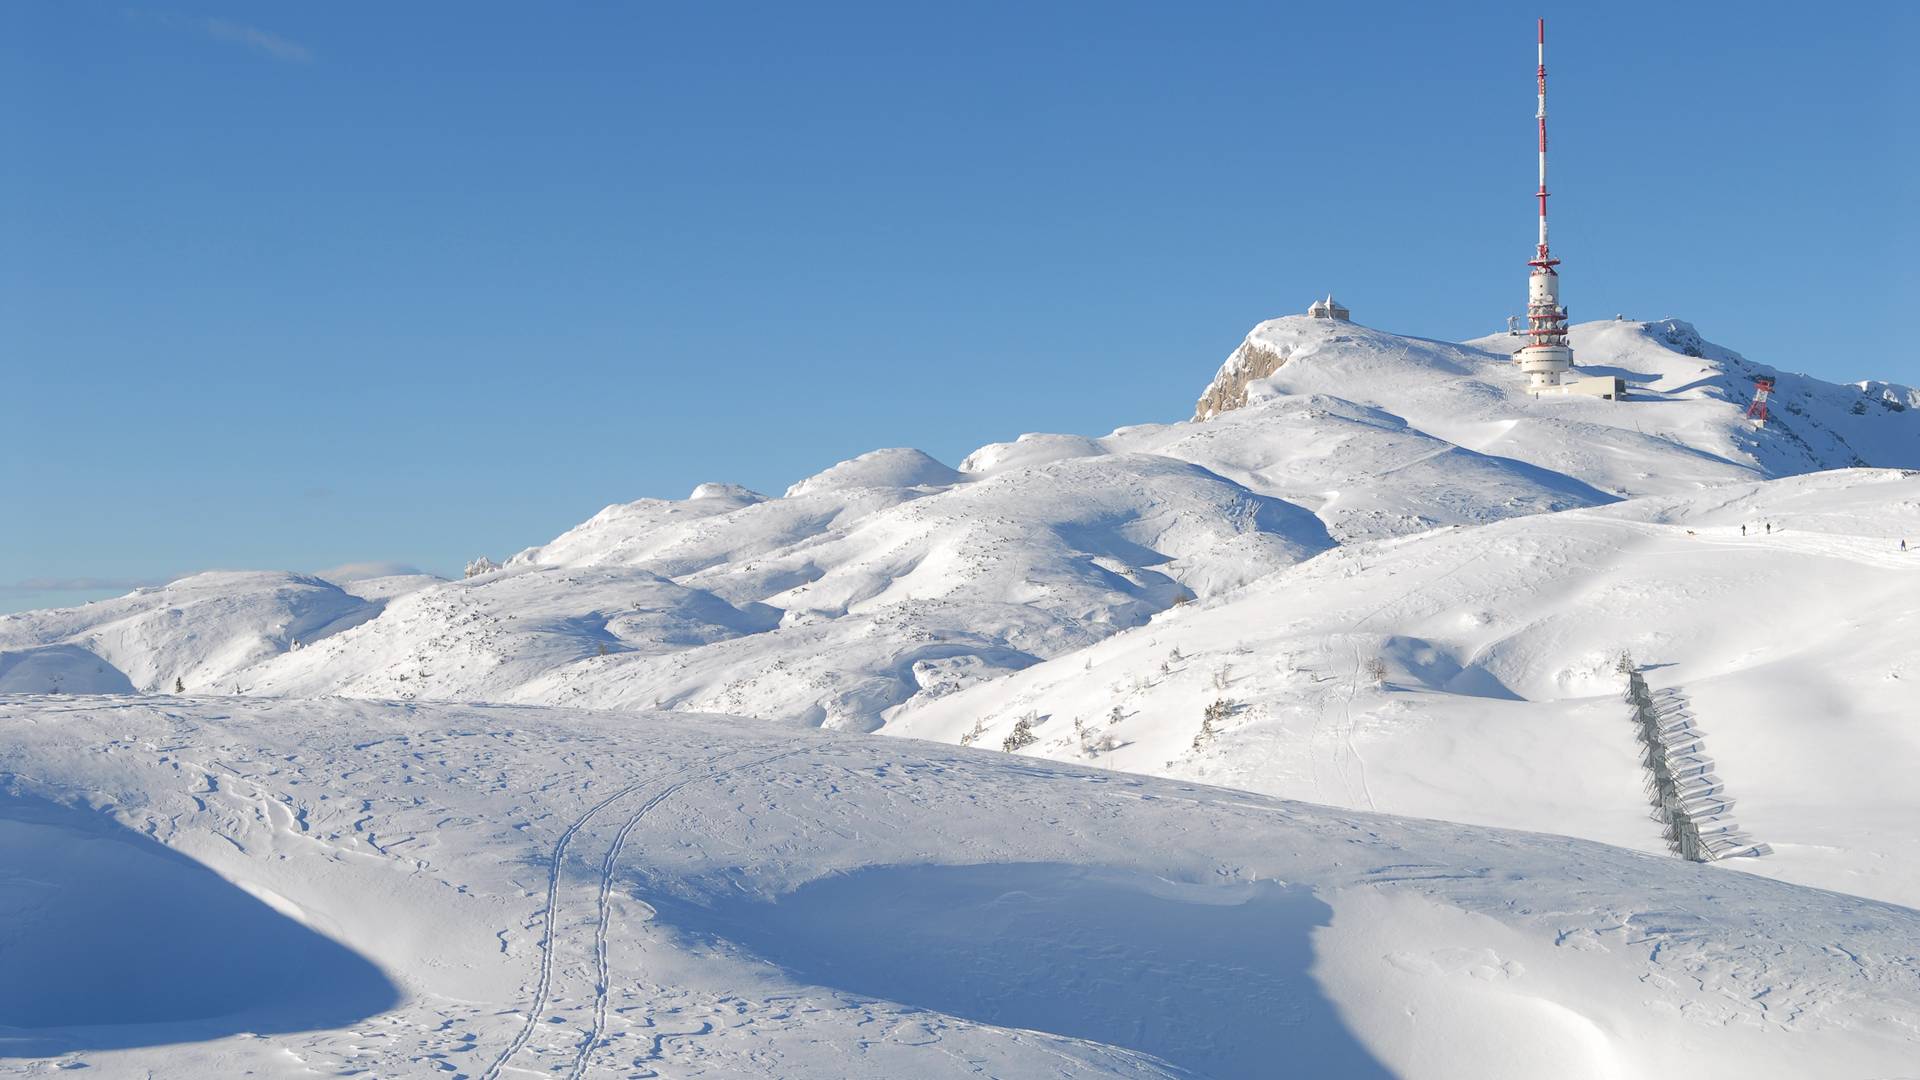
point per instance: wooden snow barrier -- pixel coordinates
(1689, 801)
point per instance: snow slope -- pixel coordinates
(507, 891)
(1500, 703)
(880, 579)
(198, 629)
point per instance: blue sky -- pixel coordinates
(297, 285)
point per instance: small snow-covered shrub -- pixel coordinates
(1214, 714)
(1022, 734)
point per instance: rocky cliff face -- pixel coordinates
(1252, 360)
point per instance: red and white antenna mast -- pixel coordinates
(1542, 258)
(1546, 356)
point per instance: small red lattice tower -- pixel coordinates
(1762, 390)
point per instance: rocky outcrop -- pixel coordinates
(1250, 361)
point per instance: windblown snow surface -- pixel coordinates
(547, 892)
(492, 828)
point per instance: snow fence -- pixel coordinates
(1689, 800)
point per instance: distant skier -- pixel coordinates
(1743, 530)
(1769, 528)
(1903, 544)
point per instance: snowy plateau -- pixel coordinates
(1290, 740)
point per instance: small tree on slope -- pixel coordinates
(1022, 734)
(1216, 713)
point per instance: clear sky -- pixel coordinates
(296, 285)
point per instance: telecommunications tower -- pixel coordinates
(1546, 357)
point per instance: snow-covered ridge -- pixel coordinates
(893, 578)
(1682, 427)
(198, 629)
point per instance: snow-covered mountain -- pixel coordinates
(892, 579)
(1683, 425)
(1371, 574)
(196, 630)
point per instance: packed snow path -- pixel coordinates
(585, 894)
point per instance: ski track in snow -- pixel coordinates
(543, 981)
(604, 903)
(1348, 727)
(551, 942)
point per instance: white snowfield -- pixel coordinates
(354, 888)
(1377, 577)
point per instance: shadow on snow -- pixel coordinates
(1214, 980)
(111, 940)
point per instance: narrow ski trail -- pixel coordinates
(583, 1058)
(543, 983)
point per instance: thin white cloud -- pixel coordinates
(81, 584)
(361, 571)
(261, 41)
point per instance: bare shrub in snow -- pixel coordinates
(1118, 714)
(968, 738)
(1223, 676)
(1377, 670)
